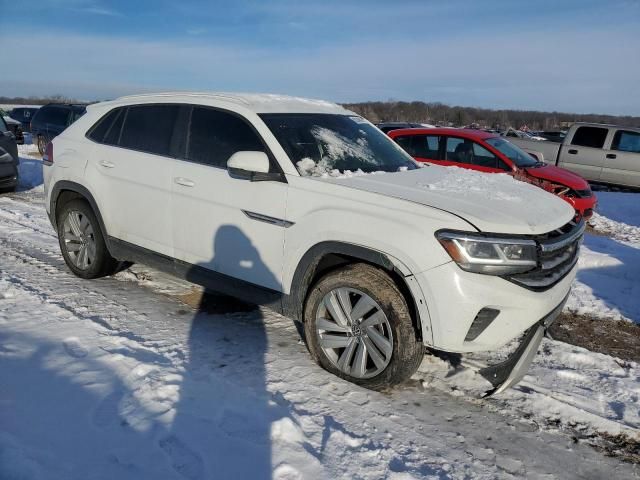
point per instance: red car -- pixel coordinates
(488, 152)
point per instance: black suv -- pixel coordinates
(50, 120)
(24, 116)
(8, 158)
(14, 127)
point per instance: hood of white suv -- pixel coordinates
(492, 202)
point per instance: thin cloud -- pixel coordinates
(97, 10)
(196, 31)
(467, 71)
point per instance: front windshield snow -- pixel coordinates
(335, 145)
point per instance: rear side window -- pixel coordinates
(457, 151)
(3, 125)
(590, 137)
(149, 128)
(214, 136)
(426, 146)
(54, 115)
(626, 141)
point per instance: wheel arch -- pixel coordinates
(326, 256)
(63, 192)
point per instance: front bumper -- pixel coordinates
(8, 175)
(510, 371)
(585, 206)
(454, 298)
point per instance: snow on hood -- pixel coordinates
(491, 202)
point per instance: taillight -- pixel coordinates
(47, 158)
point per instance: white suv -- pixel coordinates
(309, 209)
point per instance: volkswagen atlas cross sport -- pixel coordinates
(488, 152)
(309, 209)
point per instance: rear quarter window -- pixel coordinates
(100, 129)
(592, 137)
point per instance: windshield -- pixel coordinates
(332, 145)
(514, 153)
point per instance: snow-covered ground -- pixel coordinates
(608, 283)
(115, 378)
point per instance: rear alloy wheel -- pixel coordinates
(82, 243)
(42, 144)
(79, 239)
(358, 326)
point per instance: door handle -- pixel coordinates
(611, 155)
(185, 182)
(573, 152)
(107, 164)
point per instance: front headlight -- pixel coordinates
(489, 255)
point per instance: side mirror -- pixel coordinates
(252, 166)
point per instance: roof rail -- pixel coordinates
(221, 95)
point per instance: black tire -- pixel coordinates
(103, 264)
(41, 142)
(407, 352)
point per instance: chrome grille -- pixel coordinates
(558, 254)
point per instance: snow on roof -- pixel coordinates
(258, 102)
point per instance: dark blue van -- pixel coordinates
(50, 120)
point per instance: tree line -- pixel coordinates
(38, 100)
(445, 115)
(435, 113)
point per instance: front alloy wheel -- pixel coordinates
(358, 326)
(354, 333)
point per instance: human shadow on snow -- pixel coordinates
(225, 375)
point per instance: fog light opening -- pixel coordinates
(481, 322)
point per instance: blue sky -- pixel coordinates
(580, 56)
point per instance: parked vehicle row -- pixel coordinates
(254, 196)
(513, 133)
(488, 152)
(600, 153)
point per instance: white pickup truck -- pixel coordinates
(600, 153)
